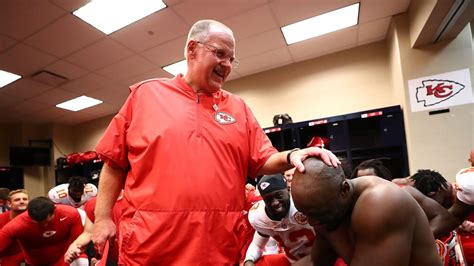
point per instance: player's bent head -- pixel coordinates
(40, 209)
(321, 193)
(77, 183)
(76, 187)
(372, 167)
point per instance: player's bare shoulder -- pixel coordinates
(380, 204)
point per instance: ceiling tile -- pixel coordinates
(98, 110)
(324, 44)
(64, 36)
(66, 69)
(40, 35)
(258, 44)
(252, 22)
(167, 53)
(152, 30)
(24, 60)
(25, 88)
(74, 118)
(20, 18)
(85, 84)
(7, 100)
(212, 9)
(14, 118)
(155, 73)
(172, 2)
(55, 96)
(6, 42)
(115, 96)
(28, 107)
(288, 12)
(109, 51)
(50, 113)
(70, 5)
(129, 67)
(264, 61)
(375, 9)
(374, 30)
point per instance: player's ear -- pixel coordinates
(345, 188)
(431, 193)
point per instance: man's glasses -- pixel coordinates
(221, 54)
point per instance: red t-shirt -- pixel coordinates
(4, 218)
(187, 158)
(13, 255)
(43, 244)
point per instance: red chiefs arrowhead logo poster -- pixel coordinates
(440, 91)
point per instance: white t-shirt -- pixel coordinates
(293, 231)
(60, 195)
(465, 181)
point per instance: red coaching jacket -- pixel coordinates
(187, 158)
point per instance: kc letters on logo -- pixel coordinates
(435, 91)
(440, 91)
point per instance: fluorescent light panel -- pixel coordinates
(177, 68)
(312, 27)
(79, 103)
(111, 15)
(7, 78)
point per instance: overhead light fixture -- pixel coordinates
(316, 26)
(177, 68)
(7, 78)
(111, 15)
(79, 103)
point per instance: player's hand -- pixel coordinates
(103, 230)
(72, 253)
(249, 263)
(467, 226)
(297, 157)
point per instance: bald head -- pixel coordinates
(319, 193)
(319, 184)
(317, 174)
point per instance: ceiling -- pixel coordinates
(40, 35)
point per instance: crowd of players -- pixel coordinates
(56, 230)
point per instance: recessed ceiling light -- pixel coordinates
(177, 68)
(328, 22)
(111, 15)
(7, 78)
(79, 103)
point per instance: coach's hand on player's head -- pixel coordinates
(297, 157)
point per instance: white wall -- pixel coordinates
(345, 82)
(441, 142)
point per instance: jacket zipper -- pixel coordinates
(198, 124)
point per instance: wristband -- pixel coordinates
(289, 155)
